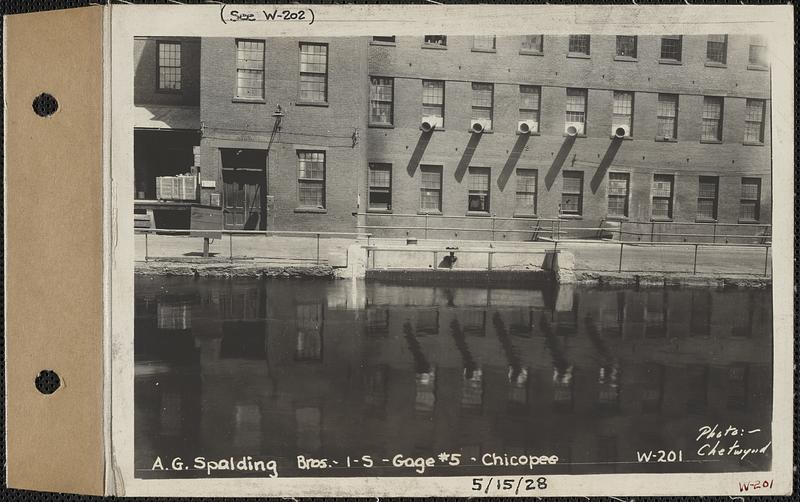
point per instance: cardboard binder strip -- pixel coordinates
(54, 251)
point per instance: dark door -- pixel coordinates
(243, 198)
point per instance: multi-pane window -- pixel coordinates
(532, 43)
(572, 193)
(717, 49)
(526, 191)
(529, 98)
(484, 42)
(707, 194)
(712, 119)
(662, 196)
(430, 189)
(433, 98)
(250, 69)
(618, 189)
(750, 201)
(576, 109)
(436, 40)
(623, 112)
(169, 66)
(311, 179)
(758, 51)
(381, 96)
(313, 73)
(667, 116)
(626, 46)
(482, 98)
(385, 40)
(478, 196)
(672, 47)
(380, 186)
(754, 121)
(579, 44)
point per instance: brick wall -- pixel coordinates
(145, 81)
(454, 148)
(232, 123)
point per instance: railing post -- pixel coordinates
(489, 255)
(426, 226)
(652, 230)
(766, 260)
(694, 269)
(145, 246)
(317, 249)
(492, 228)
(715, 233)
(435, 260)
(619, 230)
(621, 244)
(230, 245)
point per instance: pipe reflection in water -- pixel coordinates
(521, 371)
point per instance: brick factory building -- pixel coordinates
(464, 135)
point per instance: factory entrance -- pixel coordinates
(244, 196)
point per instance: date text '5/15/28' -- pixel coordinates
(516, 485)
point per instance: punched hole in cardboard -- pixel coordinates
(45, 105)
(47, 382)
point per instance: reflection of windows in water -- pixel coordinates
(309, 332)
(608, 395)
(171, 413)
(520, 323)
(247, 426)
(518, 388)
(377, 322)
(472, 391)
(655, 314)
(473, 322)
(653, 388)
(700, 319)
(696, 388)
(567, 322)
(375, 389)
(738, 379)
(426, 392)
(562, 389)
(242, 304)
(174, 315)
(753, 317)
(243, 340)
(613, 316)
(308, 423)
(427, 322)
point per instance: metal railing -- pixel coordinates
(251, 233)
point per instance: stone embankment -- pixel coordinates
(231, 270)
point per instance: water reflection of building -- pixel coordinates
(477, 388)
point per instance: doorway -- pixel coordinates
(244, 189)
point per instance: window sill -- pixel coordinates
(711, 141)
(531, 53)
(626, 59)
(749, 221)
(317, 210)
(169, 91)
(705, 220)
(714, 64)
(670, 61)
(379, 211)
(323, 104)
(661, 139)
(482, 214)
(617, 218)
(753, 143)
(537, 133)
(478, 49)
(379, 42)
(249, 100)
(435, 47)
(757, 67)
(526, 216)
(430, 213)
(661, 220)
(382, 126)
(578, 55)
(570, 216)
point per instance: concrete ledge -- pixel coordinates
(251, 270)
(672, 280)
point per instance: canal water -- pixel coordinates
(357, 373)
